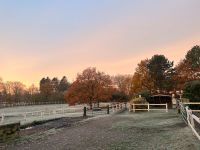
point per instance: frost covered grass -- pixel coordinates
(120, 131)
(34, 108)
(154, 130)
(28, 114)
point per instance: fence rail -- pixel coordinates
(24, 116)
(192, 120)
(4, 104)
(49, 113)
(133, 108)
(110, 108)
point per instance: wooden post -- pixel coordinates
(108, 111)
(148, 106)
(178, 106)
(84, 112)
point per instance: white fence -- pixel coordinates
(46, 113)
(117, 107)
(4, 104)
(133, 108)
(113, 108)
(192, 120)
(41, 115)
(193, 103)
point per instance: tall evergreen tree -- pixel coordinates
(188, 69)
(193, 57)
(55, 84)
(161, 72)
(64, 84)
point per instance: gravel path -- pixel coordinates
(140, 131)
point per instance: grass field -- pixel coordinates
(152, 130)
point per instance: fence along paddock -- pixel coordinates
(43, 113)
(49, 112)
(192, 120)
(106, 110)
(132, 107)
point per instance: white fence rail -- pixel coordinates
(193, 103)
(24, 116)
(52, 113)
(133, 108)
(192, 120)
(117, 107)
(113, 108)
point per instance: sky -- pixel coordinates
(40, 38)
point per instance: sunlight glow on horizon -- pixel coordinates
(55, 39)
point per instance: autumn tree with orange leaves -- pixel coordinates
(188, 69)
(141, 79)
(123, 83)
(91, 86)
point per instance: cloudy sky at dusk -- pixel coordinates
(41, 38)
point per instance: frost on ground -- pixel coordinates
(134, 131)
(155, 131)
(29, 114)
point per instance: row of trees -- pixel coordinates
(50, 91)
(53, 90)
(154, 75)
(159, 74)
(93, 86)
(15, 92)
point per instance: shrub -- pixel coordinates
(145, 94)
(141, 100)
(191, 91)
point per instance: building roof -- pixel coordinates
(161, 95)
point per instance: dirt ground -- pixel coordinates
(124, 131)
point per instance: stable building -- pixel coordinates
(161, 99)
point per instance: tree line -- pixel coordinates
(155, 75)
(49, 91)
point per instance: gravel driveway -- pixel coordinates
(139, 131)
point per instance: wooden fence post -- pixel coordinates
(108, 111)
(84, 112)
(178, 106)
